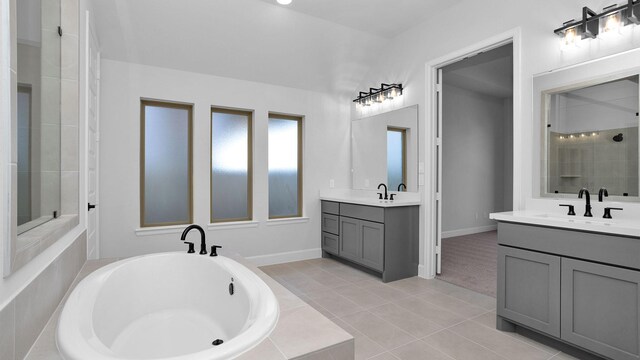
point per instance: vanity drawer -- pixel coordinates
(330, 243)
(330, 224)
(330, 207)
(370, 213)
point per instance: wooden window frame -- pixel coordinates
(171, 105)
(404, 152)
(300, 120)
(249, 114)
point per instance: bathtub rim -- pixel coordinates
(80, 341)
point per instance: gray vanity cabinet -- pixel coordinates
(529, 289)
(582, 288)
(349, 241)
(601, 308)
(363, 242)
(383, 240)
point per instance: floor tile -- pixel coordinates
(452, 304)
(430, 311)
(417, 326)
(384, 356)
(363, 297)
(499, 342)
(419, 350)
(378, 330)
(460, 348)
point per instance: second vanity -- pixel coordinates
(377, 235)
(574, 279)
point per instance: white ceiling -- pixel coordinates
(386, 18)
(489, 73)
(320, 45)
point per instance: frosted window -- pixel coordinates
(230, 165)
(395, 158)
(284, 174)
(166, 185)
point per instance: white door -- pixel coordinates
(92, 114)
(438, 135)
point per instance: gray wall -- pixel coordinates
(477, 158)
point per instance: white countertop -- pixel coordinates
(576, 222)
(370, 198)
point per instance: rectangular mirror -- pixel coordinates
(589, 132)
(384, 149)
(38, 113)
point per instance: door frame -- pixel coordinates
(433, 232)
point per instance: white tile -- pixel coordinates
(69, 148)
(50, 15)
(69, 108)
(50, 151)
(50, 197)
(69, 192)
(69, 57)
(50, 110)
(50, 53)
(70, 17)
(7, 331)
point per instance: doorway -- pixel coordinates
(476, 164)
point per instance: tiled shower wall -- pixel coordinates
(23, 319)
(594, 160)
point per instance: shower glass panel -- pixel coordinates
(166, 164)
(396, 159)
(230, 165)
(285, 158)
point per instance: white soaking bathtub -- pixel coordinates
(166, 306)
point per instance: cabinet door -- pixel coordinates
(372, 245)
(529, 289)
(349, 238)
(330, 223)
(600, 308)
(330, 243)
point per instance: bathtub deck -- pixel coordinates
(301, 333)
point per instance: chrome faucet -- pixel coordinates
(603, 191)
(203, 243)
(587, 209)
(386, 194)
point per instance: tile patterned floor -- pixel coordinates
(408, 319)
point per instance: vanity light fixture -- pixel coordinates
(612, 18)
(385, 92)
(284, 2)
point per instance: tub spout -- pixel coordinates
(203, 243)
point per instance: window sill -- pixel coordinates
(233, 225)
(161, 230)
(286, 221)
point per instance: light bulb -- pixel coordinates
(594, 134)
(571, 136)
(561, 137)
(582, 135)
(570, 37)
(611, 23)
(284, 2)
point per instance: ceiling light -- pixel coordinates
(284, 2)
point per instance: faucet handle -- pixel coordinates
(380, 196)
(572, 210)
(607, 212)
(191, 247)
(214, 250)
(392, 195)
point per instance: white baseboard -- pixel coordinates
(468, 231)
(286, 257)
